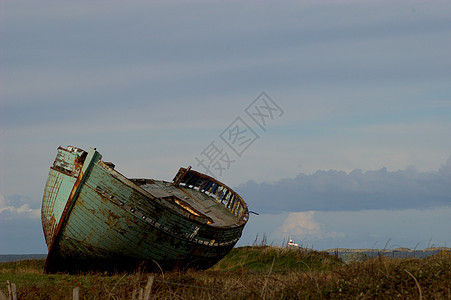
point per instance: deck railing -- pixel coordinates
(215, 189)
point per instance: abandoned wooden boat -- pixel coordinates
(94, 218)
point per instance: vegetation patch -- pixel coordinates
(261, 272)
(275, 259)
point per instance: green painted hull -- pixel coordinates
(96, 219)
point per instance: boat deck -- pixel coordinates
(200, 202)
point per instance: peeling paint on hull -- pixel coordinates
(94, 218)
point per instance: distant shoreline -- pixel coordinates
(18, 257)
(401, 249)
(426, 252)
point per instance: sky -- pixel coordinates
(332, 119)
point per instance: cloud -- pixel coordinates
(357, 190)
(20, 226)
(15, 207)
(302, 226)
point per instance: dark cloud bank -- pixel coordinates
(339, 191)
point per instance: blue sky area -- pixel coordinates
(356, 154)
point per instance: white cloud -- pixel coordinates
(303, 226)
(20, 226)
(8, 210)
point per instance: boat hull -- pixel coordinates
(96, 219)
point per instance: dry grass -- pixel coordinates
(254, 273)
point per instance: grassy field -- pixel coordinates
(258, 272)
